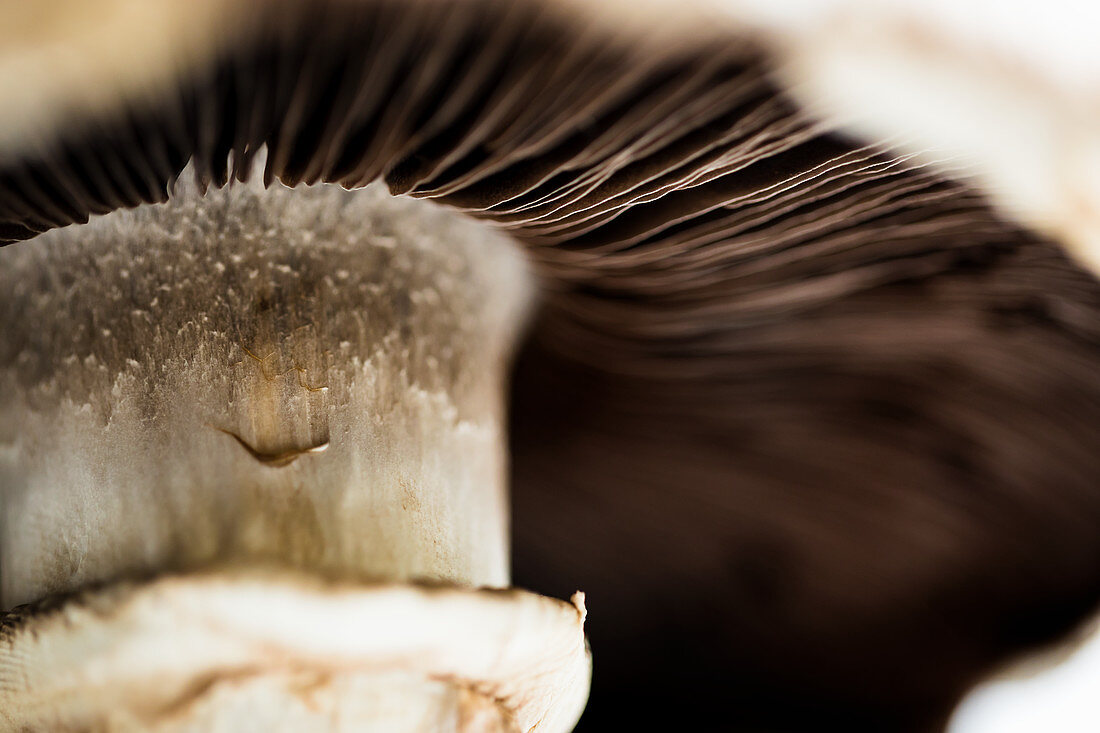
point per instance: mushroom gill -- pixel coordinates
(812, 423)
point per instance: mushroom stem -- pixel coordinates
(176, 372)
(237, 394)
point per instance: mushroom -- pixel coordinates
(811, 418)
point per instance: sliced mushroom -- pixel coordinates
(812, 421)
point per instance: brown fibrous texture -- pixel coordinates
(814, 427)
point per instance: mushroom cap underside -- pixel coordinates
(815, 390)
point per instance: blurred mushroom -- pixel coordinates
(811, 420)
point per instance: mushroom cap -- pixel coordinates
(808, 417)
